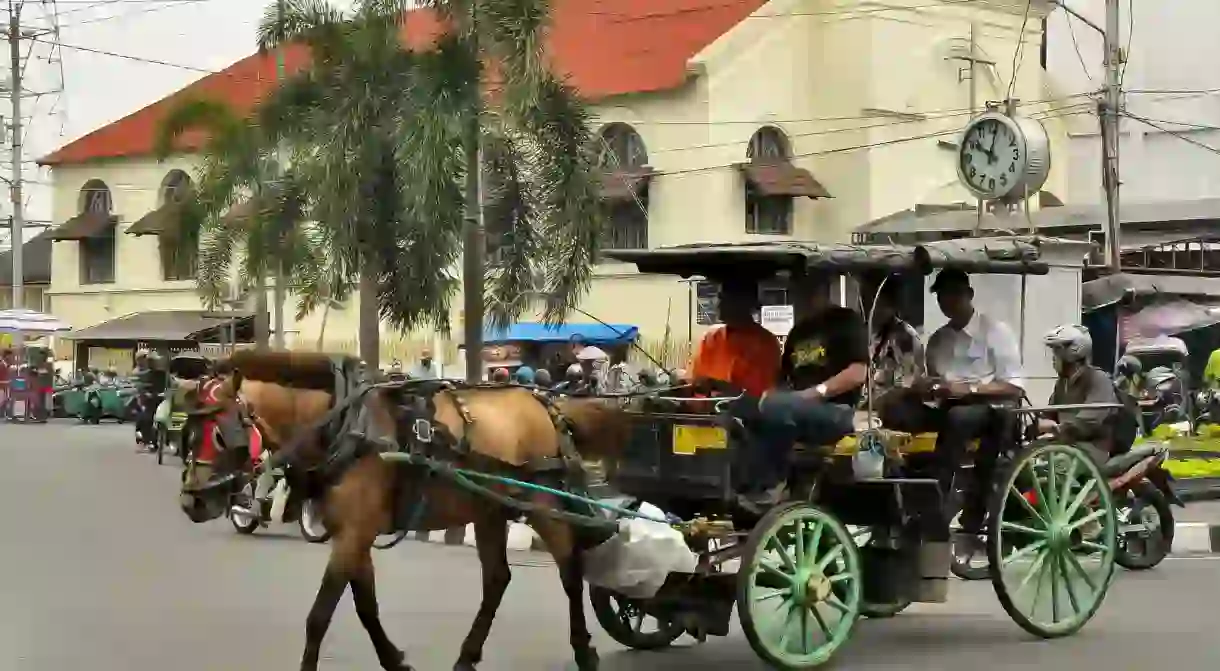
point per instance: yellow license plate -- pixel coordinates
(690, 439)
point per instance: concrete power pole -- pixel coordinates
(18, 202)
(1110, 108)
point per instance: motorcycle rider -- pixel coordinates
(1103, 432)
(152, 381)
(1129, 376)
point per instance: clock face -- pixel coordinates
(992, 158)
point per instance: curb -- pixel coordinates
(520, 537)
(1196, 538)
(1190, 538)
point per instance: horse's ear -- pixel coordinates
(235, 381)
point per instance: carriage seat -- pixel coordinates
(1119, 464)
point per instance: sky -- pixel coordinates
(106, 47)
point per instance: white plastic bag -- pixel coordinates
(161, 416)
(636, 561)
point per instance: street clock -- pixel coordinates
(1003, 158)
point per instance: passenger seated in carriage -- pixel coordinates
(823, 369)
(897, 350)
(739, 351)
(973, 364)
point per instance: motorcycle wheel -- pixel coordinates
(246, 524)
(313, 529)
(1142, 550)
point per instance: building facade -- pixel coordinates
(717, 121)
(1163, 84)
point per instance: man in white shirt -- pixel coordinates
(974, 363)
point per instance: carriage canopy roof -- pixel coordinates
(1009, 255)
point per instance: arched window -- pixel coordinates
(175, 187)
(97, 247)
(623, 161)
(178, 262)
(767, 213)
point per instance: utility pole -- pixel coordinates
(473, 240)
(18, 202)
(973, 59)
(1110, 107)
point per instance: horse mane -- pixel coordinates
(298, 370)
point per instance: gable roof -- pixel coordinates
(604, 48)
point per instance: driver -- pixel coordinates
(739, 351)
(1101, 430)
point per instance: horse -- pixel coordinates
(310, 414)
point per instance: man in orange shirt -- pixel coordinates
(740, 351)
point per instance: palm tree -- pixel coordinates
(241, 205)
(394, 135)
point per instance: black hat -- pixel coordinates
(950, 279)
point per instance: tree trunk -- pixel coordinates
(322, 328)
(472, 258)
(369, 317)
(281, 297)
(262, 329)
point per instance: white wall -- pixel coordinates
(1172, 48)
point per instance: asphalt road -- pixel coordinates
(100, 571)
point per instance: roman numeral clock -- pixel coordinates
(1003, 158)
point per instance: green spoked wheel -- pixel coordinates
(798, 591)
(1053, 537)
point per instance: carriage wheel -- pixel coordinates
(798, 593)
(624, 619)
(1053, 539)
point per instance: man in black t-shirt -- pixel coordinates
(824, 366)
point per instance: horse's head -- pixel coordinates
(218, 439)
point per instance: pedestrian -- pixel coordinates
(426, 368)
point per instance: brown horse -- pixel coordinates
(507, 430)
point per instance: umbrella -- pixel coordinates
(30, 321)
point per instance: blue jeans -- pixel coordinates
(785, 419)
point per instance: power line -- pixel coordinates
(1177, 134)
(1076, 45)
(161, 5)
(1016, 54)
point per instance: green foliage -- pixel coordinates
(383, 132)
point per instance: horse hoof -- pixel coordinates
(399, 663)
(588, 660)
(464, 666)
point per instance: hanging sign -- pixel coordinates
(777, 319)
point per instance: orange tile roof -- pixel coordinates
(604, 47)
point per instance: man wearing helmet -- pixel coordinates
(1102, 429)
(1130, 379)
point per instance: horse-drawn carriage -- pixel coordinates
(425, 455)
(804, 577)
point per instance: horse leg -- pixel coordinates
(334, 583)
(561, 542)
(491, 541)
(364, 594)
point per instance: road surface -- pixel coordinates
(103, 573)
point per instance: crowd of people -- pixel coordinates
(26, 387)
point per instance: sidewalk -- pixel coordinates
(1198, 528)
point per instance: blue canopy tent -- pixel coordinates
(591, 334)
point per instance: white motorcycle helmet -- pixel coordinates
(1070, 343)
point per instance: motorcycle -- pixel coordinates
(1162, 401)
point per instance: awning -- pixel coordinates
(163, 219)
(1113, 289)
(626, 184)
(161, 325)
(591, 334)
(782, 179)
(84, 226)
